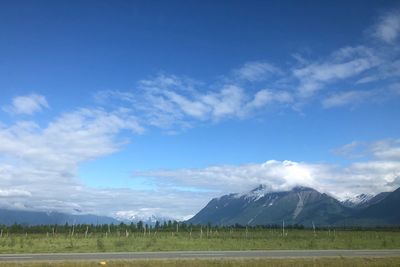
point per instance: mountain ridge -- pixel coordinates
(300, 205)
(30, 217)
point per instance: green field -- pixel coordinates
(328, 262)
(238, 239)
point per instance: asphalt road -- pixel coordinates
(197, 255)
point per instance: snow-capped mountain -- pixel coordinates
(301, 205)
(133, 216)
(254, 194)
(358, 200)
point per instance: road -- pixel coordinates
(197, 255)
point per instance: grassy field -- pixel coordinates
(230, 240)
(344, 262)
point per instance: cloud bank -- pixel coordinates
(379, 174)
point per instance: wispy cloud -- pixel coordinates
(265, 97)
(388, 70)
(382, 150)
(256, 71)
(388, 27)
(338, 80)
(27, 104)
(170, 101)
(387, 149)
(342, 64)
(350, 98)
(353, 67)
(343, 78)
(351, 150)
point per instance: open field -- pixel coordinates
(344, 262)
(255, 239)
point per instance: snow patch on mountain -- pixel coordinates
(357, 200)
(299, 206)
(143, 215)
(255, 194)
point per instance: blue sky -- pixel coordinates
(127, 101)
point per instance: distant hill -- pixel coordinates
(301, 205)
(9, 217)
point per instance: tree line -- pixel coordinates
(166, 226)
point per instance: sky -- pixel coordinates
(138, 108)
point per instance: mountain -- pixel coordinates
(149, 219)
(364, 200)
(9, 217)
(378, 198)
(383, 212)
(301, 205)
(357, 201)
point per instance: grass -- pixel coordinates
(344, 262)
(263, 239)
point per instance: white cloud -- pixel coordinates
(170, 101)
(265, 96)
(389, 69)
(278, 175)
(14, 193)
(372, 176)
(38, 167)
(173, 102)
(382, 150)
(351, 98)
(342, 64)
(73, 137)
(194, 108)
(256, 71)
(352, 150)
(388, 149)
(27, 104)
(378, 172)
(388, 27)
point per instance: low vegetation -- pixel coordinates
(344, 262)
(123, 238)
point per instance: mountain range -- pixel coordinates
(8, 217)
(301, 205)
(29, 217)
